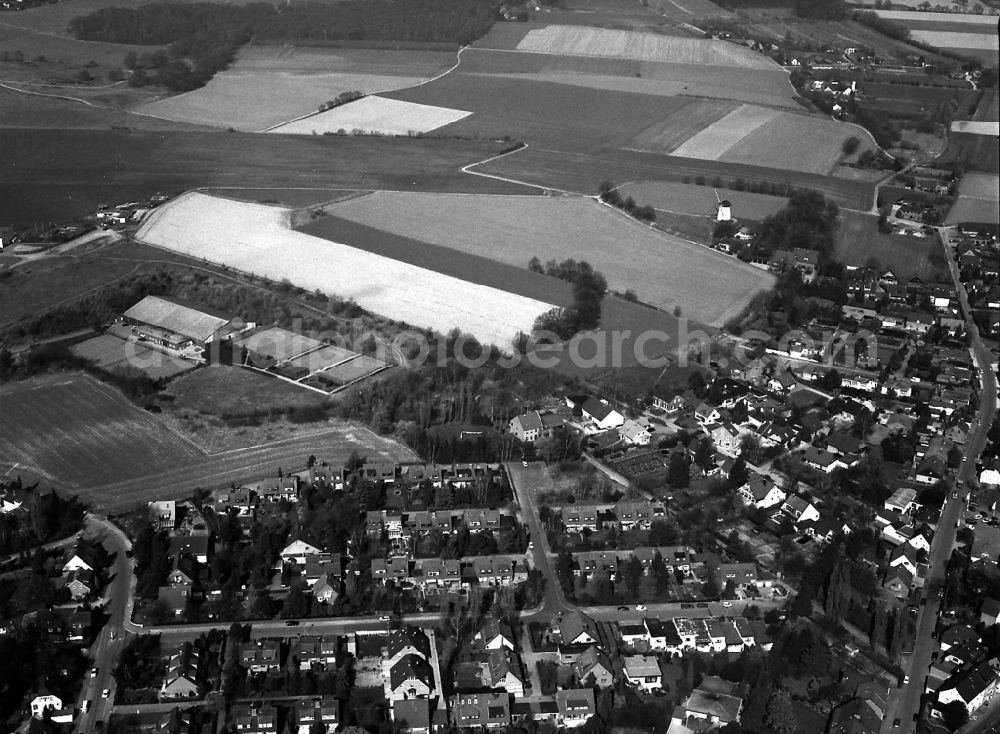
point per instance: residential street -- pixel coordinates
(905, 702)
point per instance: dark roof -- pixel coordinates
(411, 666)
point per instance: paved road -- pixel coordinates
(905, 702)
(108, 645)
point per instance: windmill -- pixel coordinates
(723, 209)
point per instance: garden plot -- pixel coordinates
(322, 358)
(662, 270)
(377, 115)
(256, 239)
(713, 141)
(584, 41)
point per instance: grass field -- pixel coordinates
(978, 153)
(912, 98)
(280, 344)
(965, 41)
(231, 391)
(110, 353)
(583, 174)
(376, 115)
(557, 115)
(354, 369)
(257, 239)
(79, 432)
(988, 109)
(858, 241)
(978, 199)
(583, 41)
(700, 200)
(58, 174)
(323, 358)
(663, 271)
(976, 127)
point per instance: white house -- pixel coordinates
(603, 416)
(643, 671)
(297, 550)
(800, 509)
(43, 701)
(761, 491)
(575, 707)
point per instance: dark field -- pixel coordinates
(582, 173)
(989, 106)
(975, 152)
(858, 240)
(914, 99)
(57, 175)
(541, 113)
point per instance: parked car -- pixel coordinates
(687, 606)
(622, 609)
(640, 607)
(292, 623)
(106, 693)
(702, 605)
(895, 723)
(93, 672)
(86, 706)
(727, 604)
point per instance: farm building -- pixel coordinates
(170, 323)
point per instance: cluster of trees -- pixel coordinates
(589, 287)
(341, 99)
(49, 517)
(609, 195)
(201, 38)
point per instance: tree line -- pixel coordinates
(589, 287)
(202, 38)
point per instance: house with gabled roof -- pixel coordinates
(297, 550)
(181, 678)
(904, 555)
(973, 686)
(725, 436)
(490, 710)
(494, 635)
(409, 677)
(527, 427)
(643, 672)
(594, 662)
(800, 509)
(575, 706)
(324, 714)
(761, 492)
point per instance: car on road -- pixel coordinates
(702, 605)
(106, 693)
(85, 707)
(906, 681)
(687, 606)
(385, 618)
(622, 609)
(292, 623)
(531, 545)
(895, 723)
(640, 607)
(954, 495)
(93, 672)
(727, 604)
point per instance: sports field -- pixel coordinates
(662, 270)
(110, 353)
(76, 432)
(858, 241)
(701, 200)
(354, 369)
(376, 115)
(584, 41)
(257, 239)
(322, 358)
(280, 344)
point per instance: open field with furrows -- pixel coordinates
(666, 135)
(916, 19)
(583, 41)
(558, 115)
(623, 13)
(959, 40)
(663, 271)
(257, 239)
(111, 353)
(58, 174)
(768, 87)
(718, 136)
(978, 199)
(978, 153)
(76, 432)
(859, 241)
(897, 97)
(576, 172)
(988, 109)
(375, 115)
(269, 85)
(701, 200)
(687, 11)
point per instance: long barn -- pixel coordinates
(170, 323)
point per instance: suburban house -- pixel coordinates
(973, 686)
(761, 492)
(594, 662)
(494, 635)
(181, 679)
(713, 704)
(312, 715)
(251, 719)
(800, 509)
(481, 710)
(527, 428)
(643, 672)
(575, 707)
(597, 412)
(297, 550)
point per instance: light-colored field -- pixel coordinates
(715, 140)
(322, 358)
(664, 271)
(255, 101)
(976, 127)
(77, 431)
(796, 143)
(256, 238)
(281, 344)
(950, 39)
(970, 18)
(269, 85)
(684, 198)
(375, 115)
(978, 199)
(584, 41)
(979, 186)
(667, 134)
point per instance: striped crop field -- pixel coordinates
(257, 239)
(584, 41)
